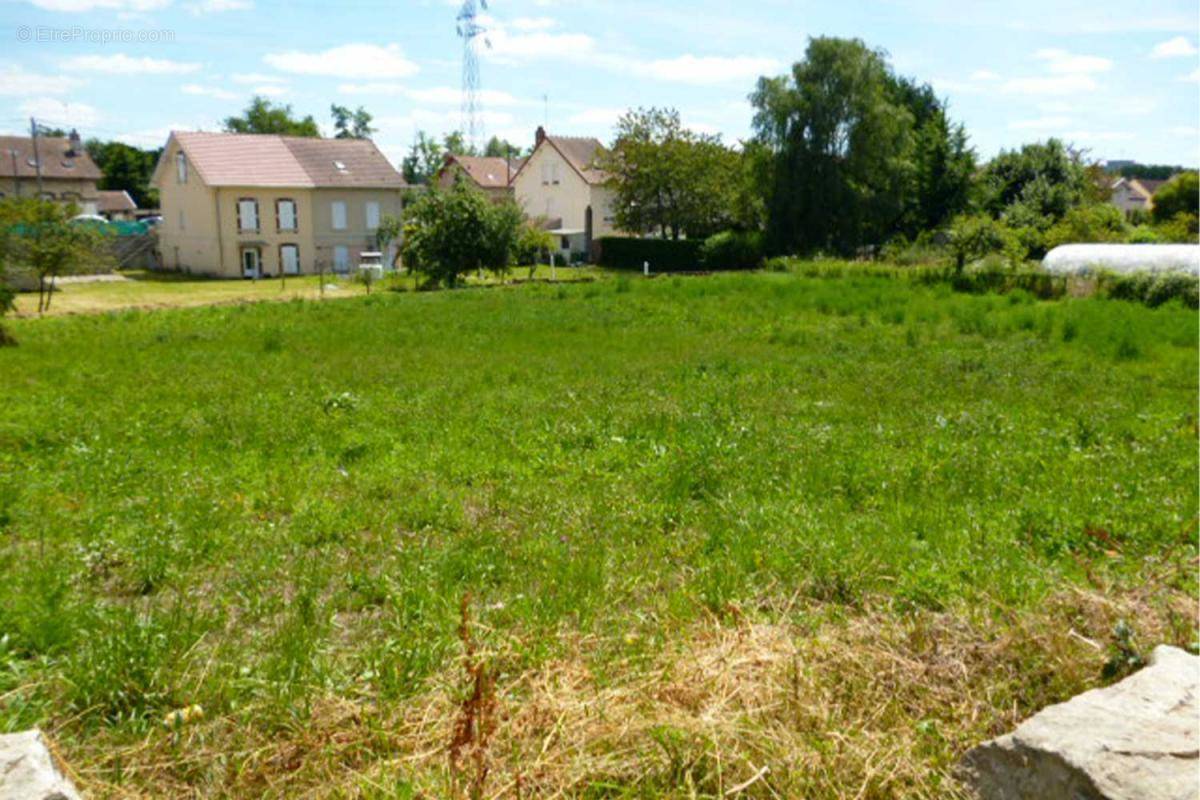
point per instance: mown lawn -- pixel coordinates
(144, 290)
(698, 528)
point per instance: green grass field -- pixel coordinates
(690, 528)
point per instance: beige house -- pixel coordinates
(116, 205)
(561, 184)
(492, 176)
(1135, 194)
(68, 174)
(248, 206)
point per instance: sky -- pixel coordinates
(1120, 79)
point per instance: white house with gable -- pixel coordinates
(562, 185)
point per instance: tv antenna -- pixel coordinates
(469, 30)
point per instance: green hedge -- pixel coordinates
(664, 255)
(732, 250)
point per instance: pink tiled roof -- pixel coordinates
(489, 173)
(240, 159)
(111, 200)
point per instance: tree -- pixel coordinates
(389, 230)
(262, 116)
(670, 180)
(1180, 195)
(126, 168)
(502, 148)
(1036, 185)
(450, 233)
(41, 238)
(457, 144)
(840, 141)
(1097, 222)
(974, 236)
(423, 160)
(351, 124)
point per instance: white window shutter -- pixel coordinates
(339, 215)
(372, 215)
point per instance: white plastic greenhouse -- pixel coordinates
(1082, 259)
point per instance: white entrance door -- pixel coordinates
(251, 263)
(289, 254)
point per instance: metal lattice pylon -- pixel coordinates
(470, 30)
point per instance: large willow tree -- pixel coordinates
(852, 154)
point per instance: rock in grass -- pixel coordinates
(1136, 740)
(28, 771)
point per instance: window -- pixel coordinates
(339, 215)
(289, 259)
(248, 214)
(285, 215)
(372, 215)
(182, 221)
(181, 167)
(341, 258)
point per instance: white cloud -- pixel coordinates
(256, 77)
(513, 47)
(16, 81)
(984, 76)
(1062, 62)
(1184, 131)
(1192, 77)
(1051, 85)
(347, 61)
(704, 70)
(1179, 47)
(597, 117)
(1039, 124)
(436, 95)
(60, 114)
(121, 64)
(271, 90)
(1098, 136)
(533, 23)
(218, 6)
(208, 91)
(109, 5)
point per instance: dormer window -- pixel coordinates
(181, 167)
(340, 166)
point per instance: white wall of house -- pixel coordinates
(548, 186)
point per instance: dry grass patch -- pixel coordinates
(816, 702)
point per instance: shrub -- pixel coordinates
(1180, 229)
(664, 255)
(532, 244)
(732, 250)
(1153, 289)
(1181, 195)
(1099, 222)
(975, 236)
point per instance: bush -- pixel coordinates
(1099, 222)
(1153, 289)
(532, 244)
(664, 255)
(732, 250)
(1180, 229)
(1181, 195)
(973, 237)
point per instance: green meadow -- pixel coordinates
(630, 538)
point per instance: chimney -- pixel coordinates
(540, 136)
(75, 145)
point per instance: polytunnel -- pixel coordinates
(1082, 259)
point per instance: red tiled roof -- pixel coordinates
(56, 157)
(115, 200)
(488, 173)
(240, 159)
(581, 153)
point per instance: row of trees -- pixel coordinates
(848, 156)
